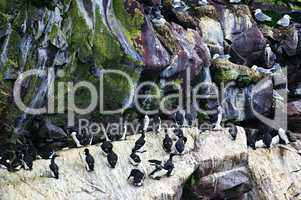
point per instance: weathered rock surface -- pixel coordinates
(276, 173)
(243, 90)
(76, 183)
(155, 55)
(219, 167)
(235, 20)
(212, 33)
(294, 115)
(248, 45)
(190, 45)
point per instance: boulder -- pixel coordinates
(248, 46)
(225, 71)
(214, 177)
(276, 173)
(212, 34)
(243, 90)
(288, 40)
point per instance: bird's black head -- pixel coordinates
(180, 133)
(54, 156)
(134, 150)
(131, 174)
(172, 155)
(86, 151)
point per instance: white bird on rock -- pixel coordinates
(219, 118)
(179, 6)
(265, 71)
(260, 69)
(146, 123)
(202, 2)
(73, 136)
(284, 21)
(261, 17)
(234, 1)
(282, 134)
(159, 22)
(225, 56)
(269, 56)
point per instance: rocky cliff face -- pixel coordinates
(82, 37)
(213, 167)
(78, 39)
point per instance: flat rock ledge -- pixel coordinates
(219, 166)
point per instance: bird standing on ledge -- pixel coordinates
(89, 160)
(54, 167)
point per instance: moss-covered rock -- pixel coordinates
(225, 71)
(130, 15)
(167, 38)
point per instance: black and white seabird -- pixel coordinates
(158, 19)
(265, 71)
(179, 6)
(252, 135)
(125, 131)
(139, 144)
(267, 139)
(270, 137)
(202, 2)
(146, 123)
(76, 141)
(283, 136)
(53, 167)
(284, 21)
(112, 159)
(162, 168)
(178, 132)
(180, 144)
(18, 162)
(261, 17)
(118, 135)
(218, 56)
(136, 177)
(269, 56)
(179, 117)
(219, 118)
(134, 159)
(158, 124)
(27, 161)
(5, 163)
(234, 1)
(189, 118)
(233, 131)
(167, 143)
(89, 160)
(106, 147)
